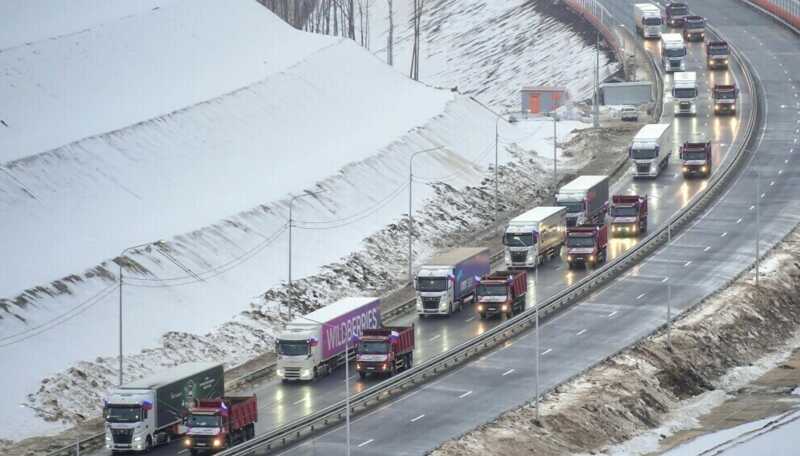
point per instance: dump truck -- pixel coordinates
(724, 96)
(445, 282)
(213, 425)
(673, 52)
(502, 293)
(676, 13)
(385, 351)
(148, 412)
(628, 215)
(314, 345)
(694, 28)
(717, 54)
(648, 20)
(587, 245)
(586, 199)
(696, 159)
(650, 150)
(534, 236)
(684, 92)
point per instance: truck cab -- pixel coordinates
(502, 293)
(673, 52)
(725, 97)
(628, 215)
(216, 424)
(649, 152)
(297, 352)
(717, 54)
(696, 159)
(587, 245)
(676, 13)
(684, 92)
(130, 420)
(385, 351)
(694, 28)
(445, 282)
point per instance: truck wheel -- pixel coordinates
(193, 452)
(362, 375)
(148, 445)
(409, 360)
(483, 316)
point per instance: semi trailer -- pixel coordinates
(534, 236)
(648, 20)
(586, 199)
(445, 282)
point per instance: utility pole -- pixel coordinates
(758, 222)
(538, 348)
(555, 154)
(410, 211)
(596, 103)
(291, 224)
(669, 293)
(496, 141)
(121, 255)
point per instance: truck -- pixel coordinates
(650, 150)
(676, 13)
(684, 92)
(535, 236)
(673, 52)
(587, 245)
(148, 412)
(628, 215)
(648, 20)
(314, 345)
(385, 351)
(717, 54)
(213, 425)
(696, 158)
(694, 28)
(586, 199)
(724, 96)
(445, 282)
(502, 293)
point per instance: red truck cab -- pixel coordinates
(501, 293)
(587, 245)
(696, 158)
(717, 54)
(216, 424)
(628, 215)
(385, 351)
(725, 96)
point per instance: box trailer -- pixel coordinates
(534, 236)
(650, 150)
(385, 351)
(214, 425)
(648, 20)
(586, 199)
(315, 344)
(447, 280)
(148, 412)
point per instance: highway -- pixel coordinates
(574, 339)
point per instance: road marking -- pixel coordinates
(641, 296)
(772, 183)
(612, 314)
(724, 234)
(547, 351)
(786, 161)
(581, 332)
(465, 395)
(739, 221)
(417, 418)
(687, 264)
(664, 279)
(557, 268)
(752, 207)
(510, 371)
(365, 443)
(707, 249)
(300, 401)
(469, 319)
(435, 337)
(780, 171)
(183, 451)
(763, 195)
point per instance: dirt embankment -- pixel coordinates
(635, 390)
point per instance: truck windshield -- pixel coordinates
(431, 283)
(678, 10)
(684, 93)
(519, 239)
(583, 241)
(675, 52)
(718, 50)
(203, 421)
(652, 20)
(572, 206)
(624, 211)
(292, 347)
(123, 413)
(643, 154)
(695, 24)
(694, 155)
(496, 289)
(726, 95)
(373, 348)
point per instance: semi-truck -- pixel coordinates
(724, 96)
(676, 13)
(647, 17)
(502, 293)
(717, 54)
(628, 215)
(650, 150)
(145, 413)
(587, 245)
(684, 92)
(534, 236)
(385, 351)
(314, 345)
(696, 158)
(694, 28)
(213, 425)
(673, 52)
(445, 282)
(586, 199)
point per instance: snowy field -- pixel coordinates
(193, 121)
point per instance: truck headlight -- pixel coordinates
(703, 169)
(504, 308)
(591, 257)
(279, 371)
(569, 257)
(685, 169)
(358, 366)
(419, 303)
(733, 107)
(187, 442)
(305, 373)
(443, 303)
(480, 307)
(508, 257)
(217, 443)
(137, 438)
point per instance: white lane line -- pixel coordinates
(641, 296)
(469, 319)
(365, 443)
(687, 264)
(612, 314)
(557, 268)
(182, 452)
(300, 401)
(752, 207)
(664, 279)
(547, 351)
(417, 418)
(772, 183)
(581, 332)
(707, 249)
(763, 195)
(465, 395)
(786, 161)
(780, 171)
(724, 234)
(435, 337)
(739, 221)
(510, 371)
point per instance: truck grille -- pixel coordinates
(519, 257)
(643, 168)
(202, 440)
(291, 372)
(122, 435)
(572, 221)
(430, 303)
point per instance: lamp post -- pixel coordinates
(410, 213)
(758, 222)
(291, 224)
(120, 302)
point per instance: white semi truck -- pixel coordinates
(534, 236)
(684, 93)
(146, 413)
(447, 280)
(586, 200)
(315, 344)
(650, 150)
(647, 17)
(673, 52)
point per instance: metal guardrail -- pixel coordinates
(334, 414)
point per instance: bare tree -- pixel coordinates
(417, 20)
(390, 38)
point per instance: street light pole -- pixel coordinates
(555, 154)
(538, 348)
(758, 222)
(496, 146)
(122, 254)
(410, 209)
(291, 224)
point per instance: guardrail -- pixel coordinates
(788, 10)
(334, 414)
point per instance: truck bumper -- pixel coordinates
(716, 64)
(581, 260)
(678, 23)
(372, 367)
(492, 309)
(694, 36)
(625, 229)
(685, 110)
(703, 171)
(724, 109)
